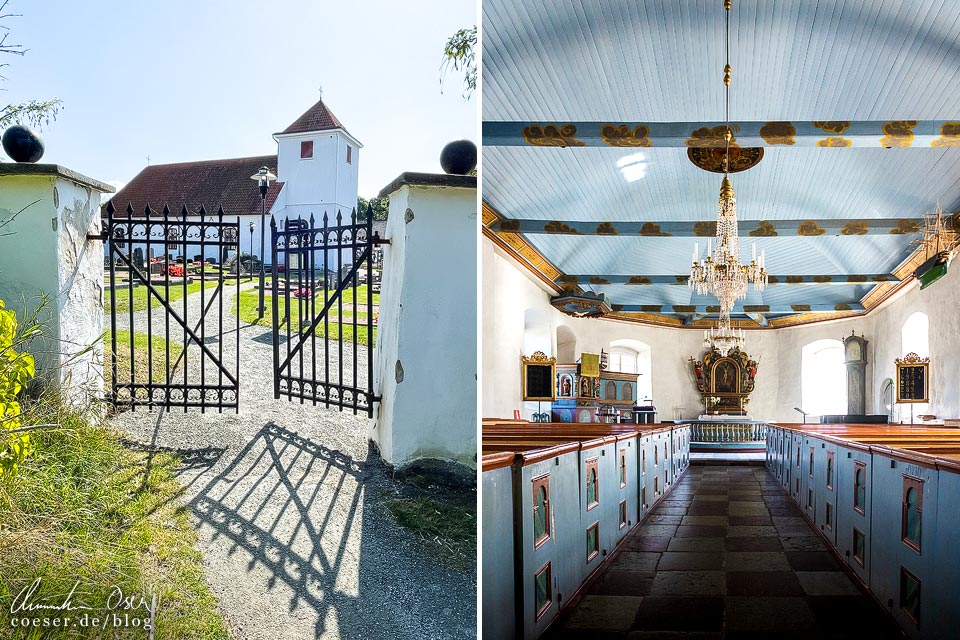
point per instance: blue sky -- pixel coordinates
(207, 79)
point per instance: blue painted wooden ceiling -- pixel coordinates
(793, 60)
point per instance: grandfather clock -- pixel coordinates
(855, 357)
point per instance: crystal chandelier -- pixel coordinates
(723, 337)
(722, 274)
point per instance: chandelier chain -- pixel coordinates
(722, 274)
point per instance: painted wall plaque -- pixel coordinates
(913, 378)
(538, 376)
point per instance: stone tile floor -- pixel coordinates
(725, 555)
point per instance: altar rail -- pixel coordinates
(727, 431)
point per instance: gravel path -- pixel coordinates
(288, 502)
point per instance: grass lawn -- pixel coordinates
(142, 353)
(85, 510)
(250, 300)
(140, 295)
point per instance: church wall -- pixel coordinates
(509, 290)
(939, 302)
(789, 345)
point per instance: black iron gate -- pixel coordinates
(323, 311)
(165, 351)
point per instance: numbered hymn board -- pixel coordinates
(538, 374)
(913, 378)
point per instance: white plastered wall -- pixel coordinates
(426, 348)
(45, 251)
(509, 290)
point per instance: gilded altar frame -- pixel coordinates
(725, 381)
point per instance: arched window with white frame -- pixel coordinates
(915, 338)
(915, 335)
(634, 356)
(537, 336)
(566, 345)
(536, 332)
(823, 378)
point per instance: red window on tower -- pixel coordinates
(306, 149)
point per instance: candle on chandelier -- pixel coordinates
(709, 248)
(696, 251)
(754, 251)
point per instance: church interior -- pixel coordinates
(720, 333)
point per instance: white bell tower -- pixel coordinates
(317, 162)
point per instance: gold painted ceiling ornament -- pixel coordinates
(651, 229)
(624, 136)
(551, 135)
(778, 132)
(855, 228)
(722, 274)
(899, 133)
(555, 226)
(719, 160)
(834, 141)
(949, 135)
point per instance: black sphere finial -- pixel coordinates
(459, 157)
(23, 144)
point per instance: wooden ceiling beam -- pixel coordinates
(707, 228)
(638, 136)
(672, 279)
(740, 309)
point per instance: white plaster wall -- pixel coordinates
(323, 183)
(509, 290)
(47, 252)
(940, 303)
(80, 292)
(428, 327)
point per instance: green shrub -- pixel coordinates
(16, 369)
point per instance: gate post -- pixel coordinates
(426, 349)
(50, 244)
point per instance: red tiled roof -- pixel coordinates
(210, 183)
(316, 118)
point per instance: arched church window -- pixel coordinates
(536, 332)
(915, 335)
(566, 345)
(633, 356)
(823, 378)
(915, 338)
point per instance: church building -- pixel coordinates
(314, 173)
(719, 321)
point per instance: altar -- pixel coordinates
(725, 381)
